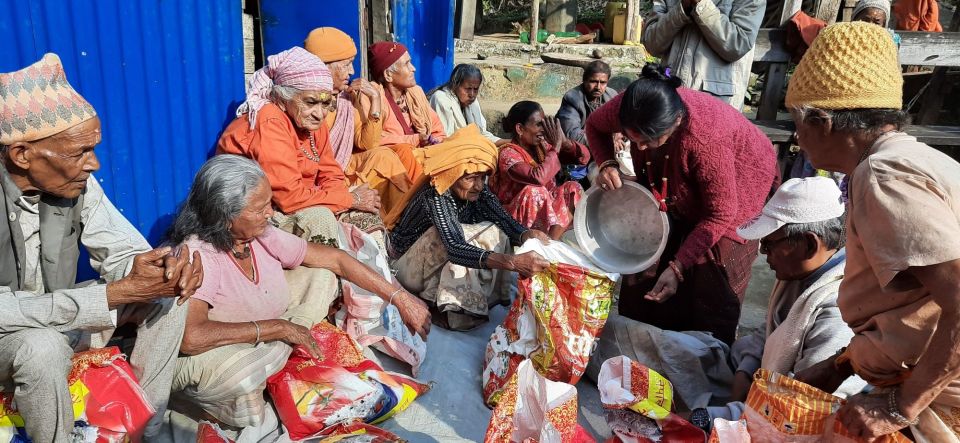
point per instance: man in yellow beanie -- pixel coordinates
(355, 135)
(901, 292)
(53, 205)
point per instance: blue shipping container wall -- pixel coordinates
(426, 27)
(286, 23)
(164, 76)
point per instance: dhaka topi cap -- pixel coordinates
(37, 102)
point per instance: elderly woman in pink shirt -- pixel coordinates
(243, 321)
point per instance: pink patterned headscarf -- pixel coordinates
(295, 68)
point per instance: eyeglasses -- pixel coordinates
(766, 245)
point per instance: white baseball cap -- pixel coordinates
(799, 200)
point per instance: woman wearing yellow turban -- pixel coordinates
(355, 135)
(450, 240)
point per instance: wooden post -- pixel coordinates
(467, 9)
(933, 97)
(534, 23)
(631, 21)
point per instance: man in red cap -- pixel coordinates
(408, 120)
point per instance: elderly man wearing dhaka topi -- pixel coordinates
(53, 206)
(901, 290)
(409, 122)
(355, 136)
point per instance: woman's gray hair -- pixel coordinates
(831, 232)
(462, 73)
(285, 93)
(221, 190)
(868, 121)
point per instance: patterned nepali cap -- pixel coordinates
(37, 102)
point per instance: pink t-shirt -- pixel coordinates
(232, 296)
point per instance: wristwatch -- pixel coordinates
(700, 418)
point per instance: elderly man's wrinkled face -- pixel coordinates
(308, 109)
(402, 76)
(784, 255)
(815, 139)
(468, 187)
(253, 219)
(467, 91)
(872, 15)
(59, 164)
(341, 71)
(596, 85)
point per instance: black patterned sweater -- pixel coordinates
(428, 208)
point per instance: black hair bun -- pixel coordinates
(657, 72)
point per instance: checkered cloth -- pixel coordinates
(295, 68)
(37, 102)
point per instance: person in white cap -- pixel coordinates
(801, 231)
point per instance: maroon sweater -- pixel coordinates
(720, 170)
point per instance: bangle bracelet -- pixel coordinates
(676, 270)
(608, 163)
(390, 301)
(257, 325)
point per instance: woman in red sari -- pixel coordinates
(525, 181)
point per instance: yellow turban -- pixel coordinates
(848, 66)
(330, 44)
(464, 152)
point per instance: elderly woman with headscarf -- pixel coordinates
(244, 319)
(456, 102)
(281, 127)
(901, 290)
(355, 137)
(452, 238)
(409, 122)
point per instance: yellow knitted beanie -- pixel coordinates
(848, 66)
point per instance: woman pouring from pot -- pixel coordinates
(711, 170)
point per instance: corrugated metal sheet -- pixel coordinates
(426, 27)
(285, 23)
(164, 76)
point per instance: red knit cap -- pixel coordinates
(382, 55)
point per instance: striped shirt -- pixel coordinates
(428, 208)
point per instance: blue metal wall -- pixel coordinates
(285, 23)
(426, 27)
(164, 77)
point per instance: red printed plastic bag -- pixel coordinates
(554, 322)
(640, 403)
(108, 403)
(358, 433)
(313, 397)
(534, 409)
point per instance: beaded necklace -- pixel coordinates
(661, 194)
(313, 147)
